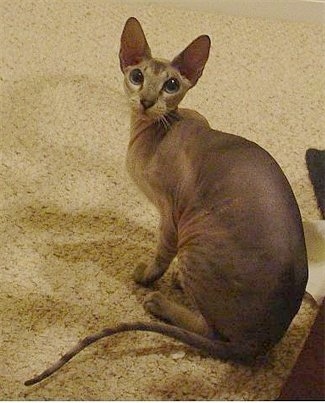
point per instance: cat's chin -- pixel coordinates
(148, 114)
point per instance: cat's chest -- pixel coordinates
(145, 166)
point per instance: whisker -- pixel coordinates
(162, 121)
(166, 122)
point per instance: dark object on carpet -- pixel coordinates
(315, 160)
(307, 379)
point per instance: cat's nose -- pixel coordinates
(147, 104)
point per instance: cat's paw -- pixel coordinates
(147, 274)
(139, 274)
(177, 278)
(155, 303)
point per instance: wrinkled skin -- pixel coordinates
(227, 211)
(229, 214)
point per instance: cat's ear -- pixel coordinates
(191, 61)
(134, 46)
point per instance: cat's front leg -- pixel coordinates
(166, 251)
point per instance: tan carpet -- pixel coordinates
(72, 224)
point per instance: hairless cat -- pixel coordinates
(226, 210)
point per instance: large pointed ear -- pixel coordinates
(191, 61)
(134, 46)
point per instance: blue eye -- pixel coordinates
(171, 86)
(136, 77)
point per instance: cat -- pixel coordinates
(226, 210)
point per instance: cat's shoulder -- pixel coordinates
(189, 116)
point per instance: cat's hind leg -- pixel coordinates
(177, 314)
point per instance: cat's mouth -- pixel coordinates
(151, 112)
(164, 118)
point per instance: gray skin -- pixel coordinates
(228, 213)
(226, 210)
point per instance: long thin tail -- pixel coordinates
(215, 348)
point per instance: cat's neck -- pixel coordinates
(141, 124)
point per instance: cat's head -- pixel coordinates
(155, 86)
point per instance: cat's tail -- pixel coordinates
(216, 348)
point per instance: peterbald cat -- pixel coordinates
(226, 210)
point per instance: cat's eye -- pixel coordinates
(171, 86)
(136, 77)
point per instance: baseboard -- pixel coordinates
(294, 10)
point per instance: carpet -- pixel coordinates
(73, 226)
(315, 160)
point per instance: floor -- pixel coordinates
(72, 224)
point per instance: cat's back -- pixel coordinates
(236, 181)
(237, 210)
(227, 160)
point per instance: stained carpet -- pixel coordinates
(73, 226)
